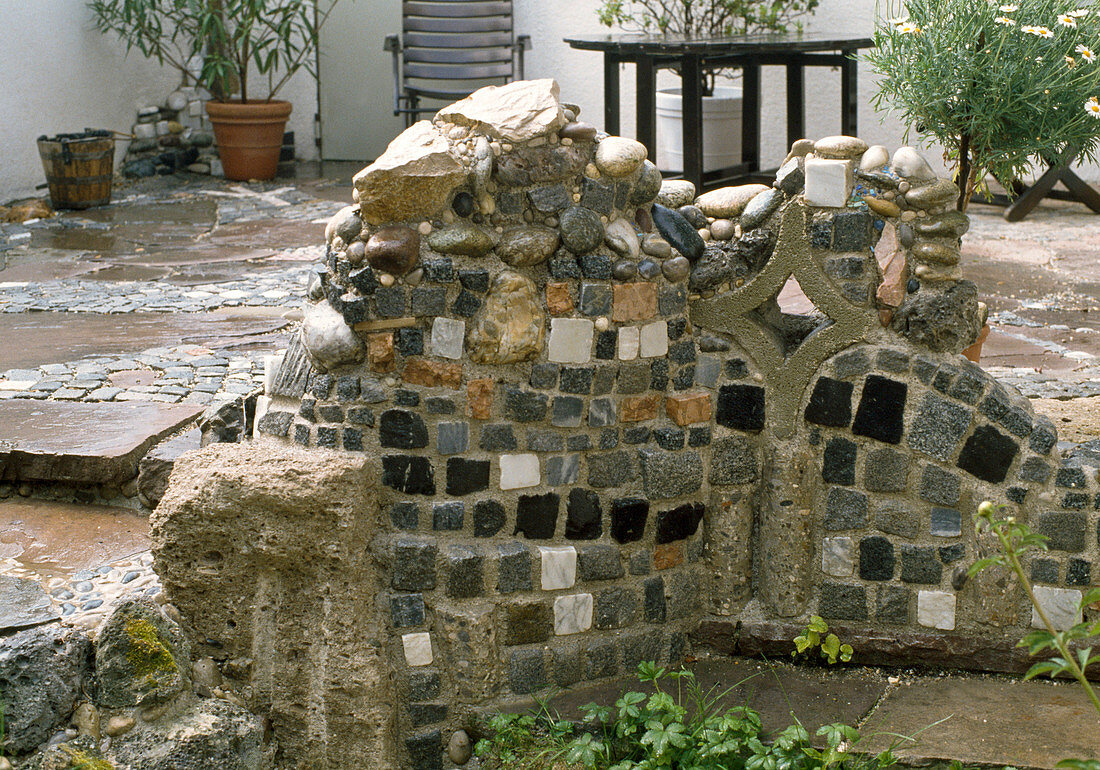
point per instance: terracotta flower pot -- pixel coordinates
(250, 136)
(974, 352)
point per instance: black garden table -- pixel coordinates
(691, 56)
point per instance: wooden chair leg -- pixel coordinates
(1081, 189)
(1027, 202)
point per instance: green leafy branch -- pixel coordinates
(816, 636)
(1015, 540)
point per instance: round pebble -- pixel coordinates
(694, 215)
(129, 576)
(649, 269)
(723, 229)
(624, 270)
(913, 286)
(602, 324)
(676, 269)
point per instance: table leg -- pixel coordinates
(750, 116)
(611, 93)
(796, 100)
(646, 124)
(692, 91)
(849, 85)
(1023, 205)
(1083, 191)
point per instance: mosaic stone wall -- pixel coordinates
(603, 410)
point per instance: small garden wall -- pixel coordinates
(596, 412)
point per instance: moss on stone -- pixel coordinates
(148, 655)
(82, 760)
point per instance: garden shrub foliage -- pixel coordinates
(999, 85)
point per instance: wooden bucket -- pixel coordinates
(79, 168)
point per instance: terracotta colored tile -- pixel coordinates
(432, 374)
(667, 556)
(633, 301)
(559, 301)
(639, 408)
(689, 408)
(479, 399)
(380, 352)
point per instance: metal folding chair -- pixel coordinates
(450, 48)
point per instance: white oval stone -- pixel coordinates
(875, 158)
(676, 193)
(910, 164)
(329, 341)
(728, 202)
(840, 147)
(622, 239)
(618, 156)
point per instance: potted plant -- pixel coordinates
(721, 103)
(239, 43)
(999, 85)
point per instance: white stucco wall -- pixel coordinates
(61, 75)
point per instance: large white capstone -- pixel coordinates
(516, 112)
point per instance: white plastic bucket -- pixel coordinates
(721, 129)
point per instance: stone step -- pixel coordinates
(83, 443)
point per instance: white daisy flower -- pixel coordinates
(908, 28)
(1086, 53)
(1067, 21)
(1008, 8)
(1080, 13)
(1092, 107)
(1005, 20)
(1042, 32)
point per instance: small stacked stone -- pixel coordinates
(172, 137)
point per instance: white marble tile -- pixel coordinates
(570, 340)
(572, 614)
(263, 403)
(519, 471)
(271, 368)
(629, 340)
(653, 340)
(1060, 605)
(837, 556)
(828, 182)
(418, 648)
(936, 609)
(559, 566)
(448, 335)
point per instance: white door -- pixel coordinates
(356, 76)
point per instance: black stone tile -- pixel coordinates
(428, 300)
(920, 565)
(307, 410)
(422, 685)
(524, 406)
(576, 379)
(606, 343)
(682, 352)
(526, 671)
(583, 520)
(403, 397)
(302, 435)
(409, 342)
(402, 429)
(353, 439)
(736, 369)
(465, 576)
(542, 440)
(851, 231)
(425, 750)
(741, 407)
(600, 659)
(466, 476)
(892, 605)
(360, 415)
(466, 304)
(676, 329)
(437, 405)
(514, 568)
(1071, 477)
(895, 361)
(988, 454)
(852, 363)
(1075, 501)
(438, 269)
(407, 610)
(1016, 494)
(1017, 421)
(275, 423)
(363, 280)
(1034, 469)
(839, 463)
(821, 234)
(564, 266)
(411, 475)
(699, 436)
(1043, 436)
(654, 604)
(421, 714)
(949, 554)
(842, 602)
(1044, 571)
(578, 442)
(489, 518)
(331, 413)
(320, 385)
(595, 266)
(636, 434)
(414, 564)
(669, 438)
(498, 437)
(658, 374)
(448, 515)
(678, 524)
(830, 403)
(474, 280)
(876, 558)
(671, 300)
(1078, 572)
(537, 516)
(347, 388)
(684, 379)
(995, 405)
(527, 622)
(845, 509)
(967, 388)
(389, 301)
(405, 514)
(881, 410)
(628, 517)
(1064, 530)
